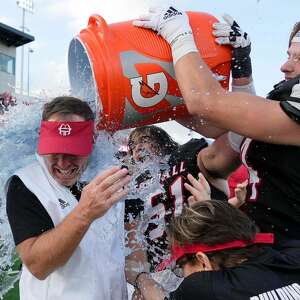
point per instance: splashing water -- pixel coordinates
(19, 134)
(151, 171)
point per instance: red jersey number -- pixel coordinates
(159, 209)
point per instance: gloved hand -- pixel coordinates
(173, 25)
(230, 33)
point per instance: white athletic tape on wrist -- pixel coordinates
(183, 45)
(248, 88)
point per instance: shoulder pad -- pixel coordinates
(283, 89)
(291, 105)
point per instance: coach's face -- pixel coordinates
(65, 168)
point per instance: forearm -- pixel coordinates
(45, 253)
(204, 97)
(241, 81)
(242, 113)
(53, 249)
(201, 126)
(150, 289)
(197, 85)
(213, 171)
(136, 261)
(244, 85)
(218, 160)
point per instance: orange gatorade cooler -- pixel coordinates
(126, 73)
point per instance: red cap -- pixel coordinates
(178, 251)
(74, 138)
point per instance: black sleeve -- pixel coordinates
(27, 216)
(196, 286)
(190, 151)
(292, 108)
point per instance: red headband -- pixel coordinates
(66, 137)
(178, 251)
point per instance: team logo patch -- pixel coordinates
(63, 203)
(64, 129)
(171, 12)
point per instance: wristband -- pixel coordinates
(241, 62)
(135, 284)
(183, 45)
(248, 88)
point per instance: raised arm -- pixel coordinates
(218, 160)
(248, 115)
(60, 243)
(201, 126)
(228, 33)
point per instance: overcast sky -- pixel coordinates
(55, 22)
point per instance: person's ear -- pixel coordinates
(203, 261)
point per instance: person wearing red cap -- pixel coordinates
(68, 236)
(220, 254)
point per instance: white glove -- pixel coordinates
(173, 25)
(230, 33)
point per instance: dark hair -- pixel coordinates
(157, 135)
(295, 29)
(215, 222)
(66, 105)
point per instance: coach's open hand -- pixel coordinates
(103, 192)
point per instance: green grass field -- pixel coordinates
(13, 294)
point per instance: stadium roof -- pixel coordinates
(13, 37)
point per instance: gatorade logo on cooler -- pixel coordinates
(146, 91)
(152, 79)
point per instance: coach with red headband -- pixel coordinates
(60, 228)
(220, 254)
